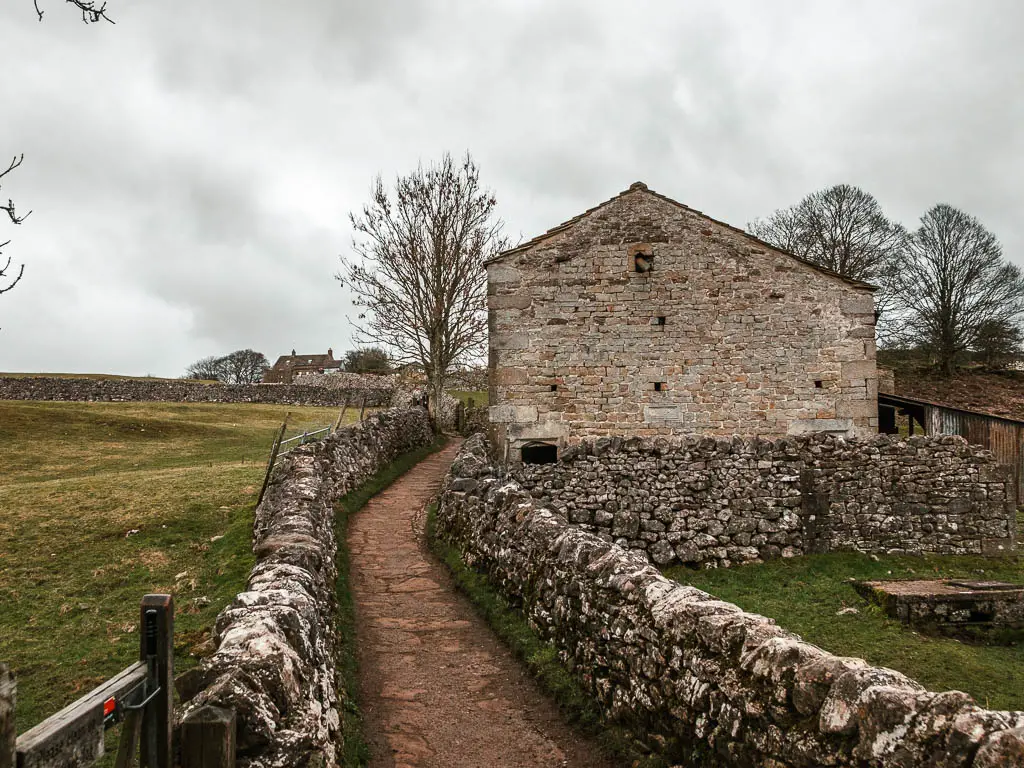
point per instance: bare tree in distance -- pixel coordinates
(243, 366)
(418, 268)
(208, 369)
(953, 285)
(997, 342)
(368, 360)
(843, 229)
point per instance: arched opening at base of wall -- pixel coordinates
(537, 452)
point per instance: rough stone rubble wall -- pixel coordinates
(275, 663)
(132, 390)
(408, 396)
(355, 382)
(696, 678)
(720, 501)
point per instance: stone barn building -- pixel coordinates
(643, 317)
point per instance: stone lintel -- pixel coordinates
(806, 426)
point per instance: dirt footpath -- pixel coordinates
(437, 688)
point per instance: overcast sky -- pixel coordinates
(191, 168)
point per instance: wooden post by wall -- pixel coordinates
(157, 650)
(273, 457)
(8, 733)
(208, 738)
(362, 408)
(341, 416)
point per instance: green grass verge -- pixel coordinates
(541, 658)
(804, 594)
(479, 398)
(101, 503)
(355, 752)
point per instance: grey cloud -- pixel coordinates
(192, 167)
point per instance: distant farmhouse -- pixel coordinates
(288, 367)
(643, 317)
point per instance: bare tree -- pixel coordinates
(954, 283)
(244, 366)
(843, 229)
(209, 368)
(418, 267)
(997, 342)
(368, 360)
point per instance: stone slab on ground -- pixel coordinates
(937, 602)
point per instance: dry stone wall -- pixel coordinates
(136, 390)
(351, 382)
(697, 679)
(275, 662)
(719, 501)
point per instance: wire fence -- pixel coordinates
(308, 435)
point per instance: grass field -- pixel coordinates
(804, 594)
(103, 502)
(479, 398)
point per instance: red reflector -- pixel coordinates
(108, 706)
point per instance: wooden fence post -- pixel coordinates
(362, 408)
(341, 417)
(273, 457)
(8, 733)
(157, 650)
(208, 738)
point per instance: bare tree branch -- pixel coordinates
(9, 208)
(92, 12)
(418, 267)
(3, 274)
(843, 229)
(7, 282)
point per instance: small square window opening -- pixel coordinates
(660, 386)
(643, 262)
(661, 319)
(554, 387)
(818, 384)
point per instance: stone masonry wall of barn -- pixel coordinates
(276, 658)
(752, 342)
(694, 678)
(719, 501)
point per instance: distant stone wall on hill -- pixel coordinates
(276, 658)
(141, 390)
(719, 501)
(349, 381)
(696, 679)
(471, 380)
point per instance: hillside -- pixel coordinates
(1000, 393)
